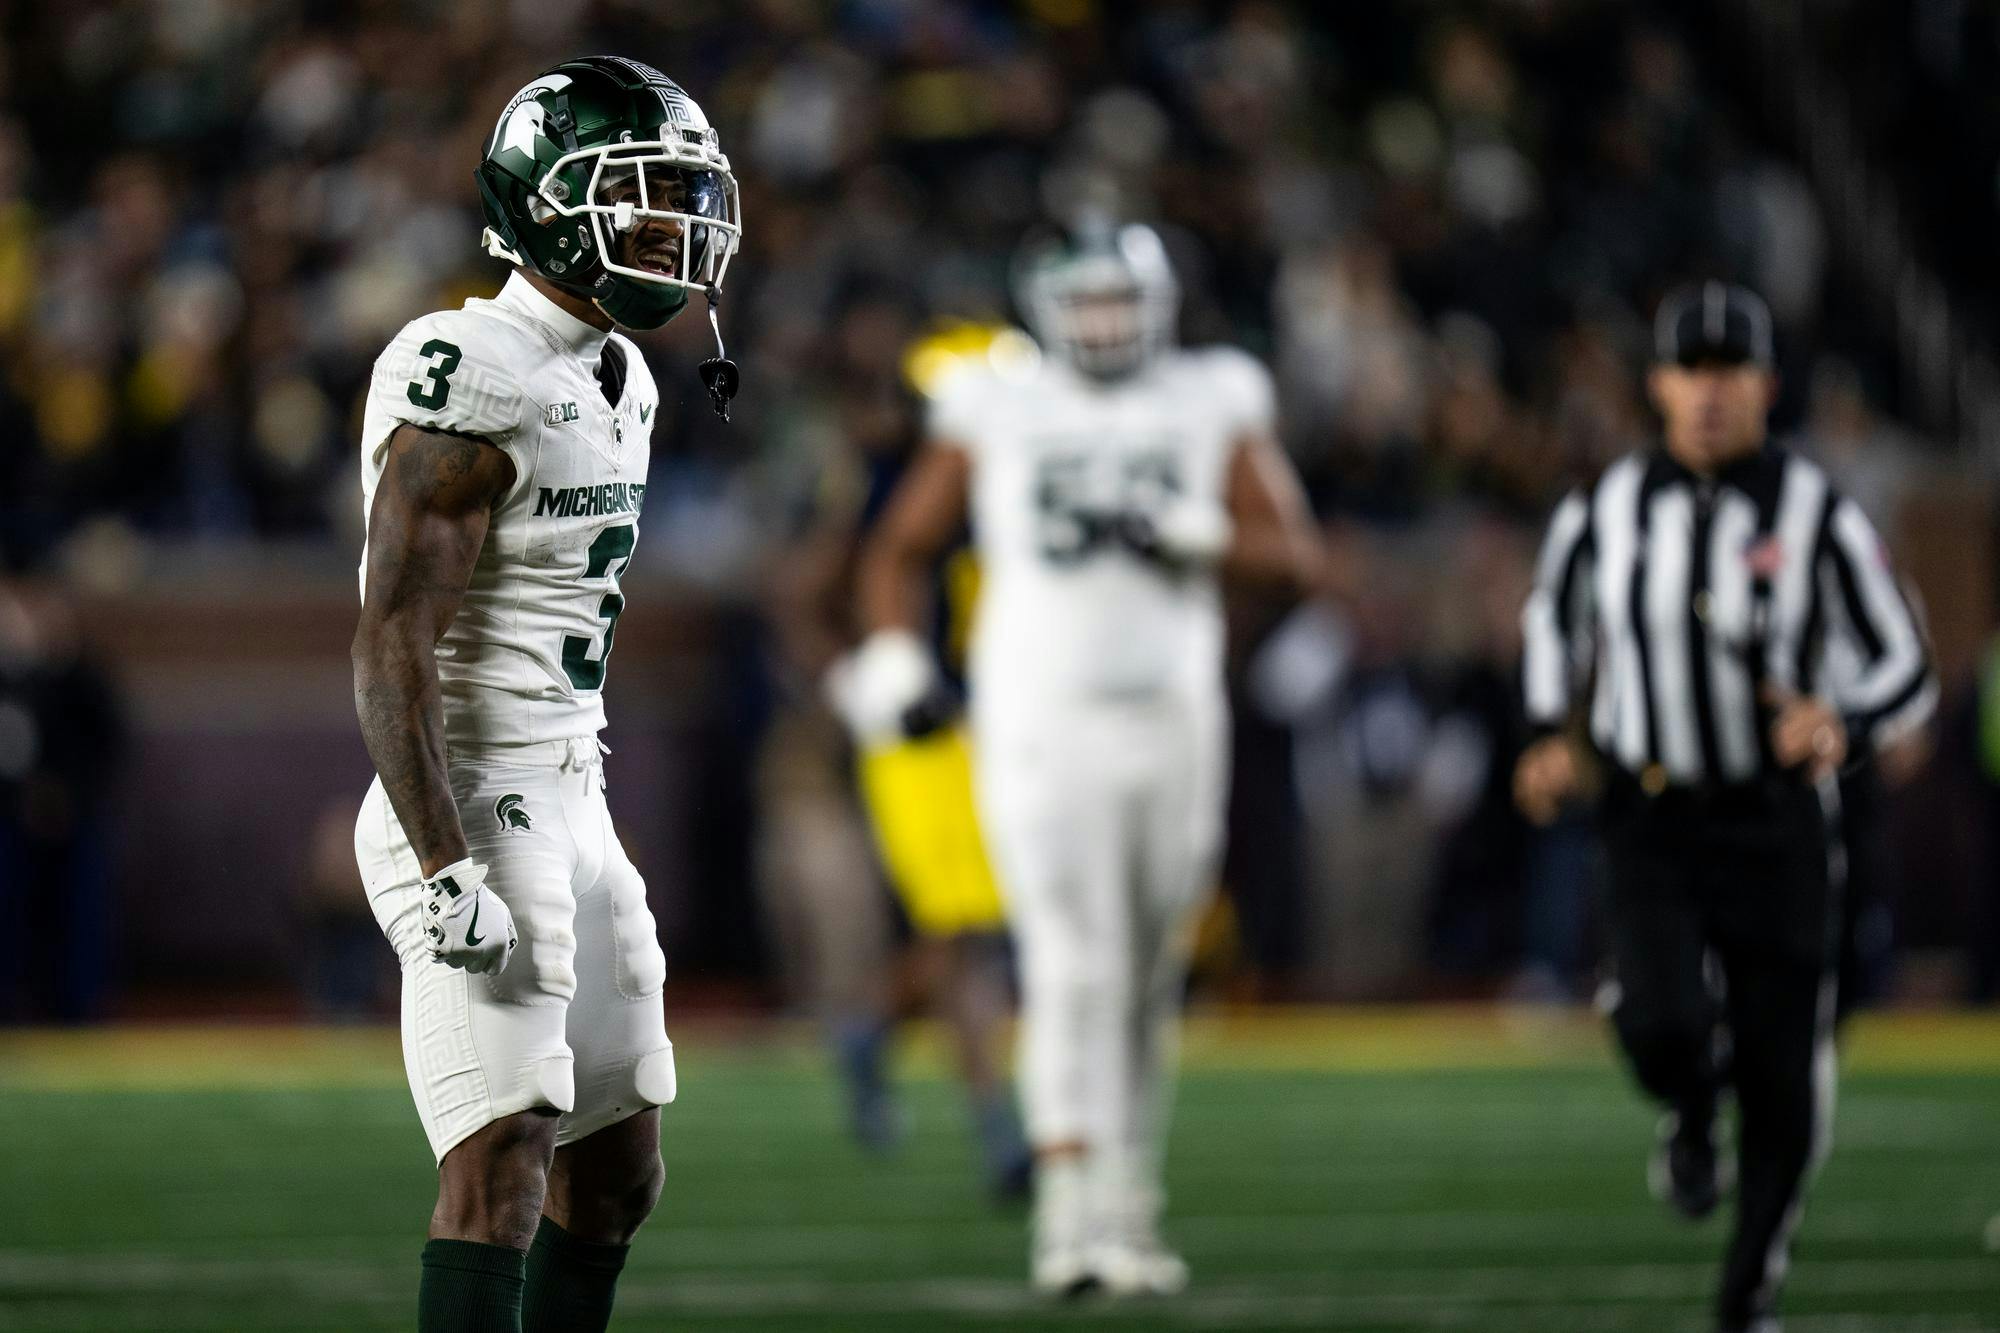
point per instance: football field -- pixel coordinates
(1375, 1170)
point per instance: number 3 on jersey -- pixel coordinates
(446, 360)
(612, 547)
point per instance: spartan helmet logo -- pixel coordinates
(512, 814)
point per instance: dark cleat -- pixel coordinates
(1065, 1275)
(1687, 1171)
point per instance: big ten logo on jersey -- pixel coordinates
(1082, 496)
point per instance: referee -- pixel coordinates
(1730, 627)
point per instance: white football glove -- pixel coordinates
(467, 924)
(1183, 533)
(874, 687)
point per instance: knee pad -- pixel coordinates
(653, 1077)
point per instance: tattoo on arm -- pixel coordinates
(425, 530)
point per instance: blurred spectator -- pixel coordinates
(347, 971)
(193, 291)
(1871, 459)
(62, 742)
(1505, 907)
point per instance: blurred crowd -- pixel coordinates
(1443, 225)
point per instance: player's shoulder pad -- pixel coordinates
(1238, 382)
(962, 400)
(458, 370)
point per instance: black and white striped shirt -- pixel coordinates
(1680, 599)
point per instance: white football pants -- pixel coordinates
(1104, 823)
(575, 1023)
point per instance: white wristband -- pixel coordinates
(466, 873)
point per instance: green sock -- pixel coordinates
(469, 1288)
(571, 1282)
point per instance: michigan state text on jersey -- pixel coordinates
(504, 458)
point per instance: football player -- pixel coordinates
(916, 785)
(504, 454)
(1108, 483)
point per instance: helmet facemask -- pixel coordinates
(566, 186)
(629, 186)
(1107, 311)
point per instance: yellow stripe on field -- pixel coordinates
(1414, 1038)
(1357, 1039)
(212, 1056)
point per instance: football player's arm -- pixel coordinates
(925, 513)
(425, 529)
(1272, 537)
(889, 687)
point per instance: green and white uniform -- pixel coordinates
(575, 1022)
(525, 659)
(1100, 727)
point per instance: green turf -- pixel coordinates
(1493, 1200)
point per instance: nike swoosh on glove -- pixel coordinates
(466, 923)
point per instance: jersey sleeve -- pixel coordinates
(1555, 624)
(1244, 393)
(451, 371)
(1894, 687)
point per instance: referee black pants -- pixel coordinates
(1720, 912)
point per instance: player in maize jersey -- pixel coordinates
(504, 459)
(915, 786)
(1109, 483)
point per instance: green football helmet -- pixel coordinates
(579, 163)
(1102, 297)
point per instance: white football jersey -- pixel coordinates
(1065, 614)
(524, 659)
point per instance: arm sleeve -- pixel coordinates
(1894, 688)
(452, 372)
(1556, 621)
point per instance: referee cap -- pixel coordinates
(1713, 321)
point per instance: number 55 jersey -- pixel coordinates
(1069, 612)
(573, 407)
